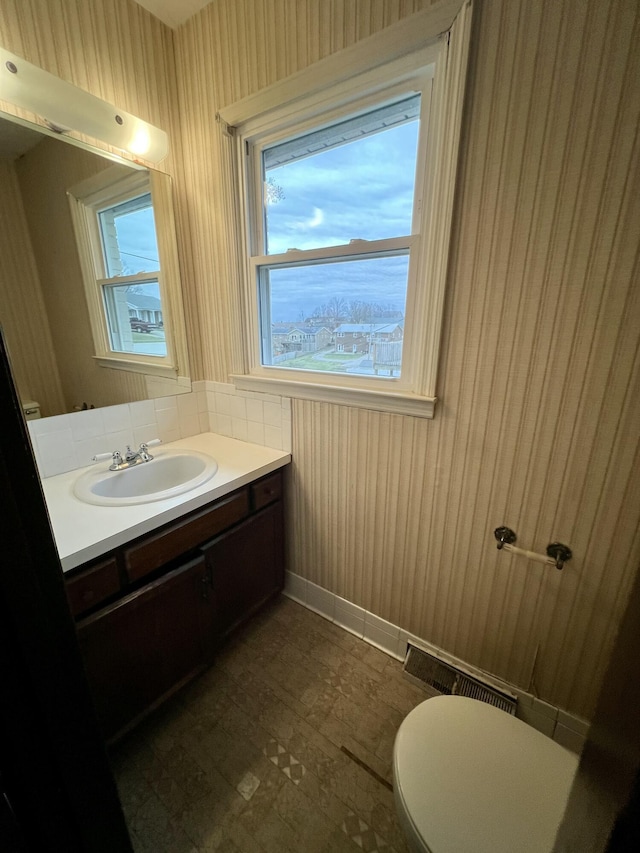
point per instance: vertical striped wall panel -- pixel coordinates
(22, 310)
(538, 421)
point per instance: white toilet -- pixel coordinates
(470, 778)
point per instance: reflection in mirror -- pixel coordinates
(70, 349)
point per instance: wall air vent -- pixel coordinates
(425, 670)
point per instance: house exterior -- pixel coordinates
(359, 337)
(289, 338)
(147, 309)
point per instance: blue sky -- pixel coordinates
(362, 190)
(137, 241)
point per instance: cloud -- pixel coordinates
(364, 190)
(318, 218)
(304, 225)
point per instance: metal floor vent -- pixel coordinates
(425, 670)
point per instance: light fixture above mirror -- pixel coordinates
(65, 107)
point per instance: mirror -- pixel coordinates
(43, 303)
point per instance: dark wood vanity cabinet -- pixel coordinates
(179, 592)
(142, 647)
(245, 567)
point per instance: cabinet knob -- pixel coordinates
(204, 580)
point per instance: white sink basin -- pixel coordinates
(170, 473)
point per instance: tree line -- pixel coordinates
(338, 310)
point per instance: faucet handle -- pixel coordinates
(100, 456)
(144, 447)
(151, 443)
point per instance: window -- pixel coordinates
(117, 240)
(347, 198)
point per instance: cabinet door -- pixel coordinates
(247, 567)
(142, 647)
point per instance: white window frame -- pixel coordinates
(416, 49)
(106, 189)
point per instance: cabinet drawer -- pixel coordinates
(180, 538)
(266, 491)
(93, 586)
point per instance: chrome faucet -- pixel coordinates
(120, 462)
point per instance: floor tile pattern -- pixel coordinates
(254, 756)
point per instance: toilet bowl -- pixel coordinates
(470, 778)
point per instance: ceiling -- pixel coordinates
(173, 12)
(16, 140)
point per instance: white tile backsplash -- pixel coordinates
(224, 424)
(239, 428)
(57, 465)
(273, 437)
(71, 440)
(116, 418)
(88, 424)
(167, 420)
(142, 413)
(187, 405)
(203, 405)
(189, 424)
(223, 403)
(211, 401)
(55, 424)
(53, 444)
(255, 432)
(238, 407)
(249, 416)
(273, 414)
(162, 403)
(144, 433)
(255, 411)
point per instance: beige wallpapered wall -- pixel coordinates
(22, 310)
(538, 421)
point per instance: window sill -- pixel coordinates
(136, 366)
(397, 403)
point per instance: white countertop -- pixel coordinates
(84, 531)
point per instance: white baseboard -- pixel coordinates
(564, 728)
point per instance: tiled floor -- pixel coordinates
(265, 751)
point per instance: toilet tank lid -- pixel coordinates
(474, 779)
(30, 404)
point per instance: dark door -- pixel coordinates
(58, 792)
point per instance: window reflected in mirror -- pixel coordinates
(131, 250)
